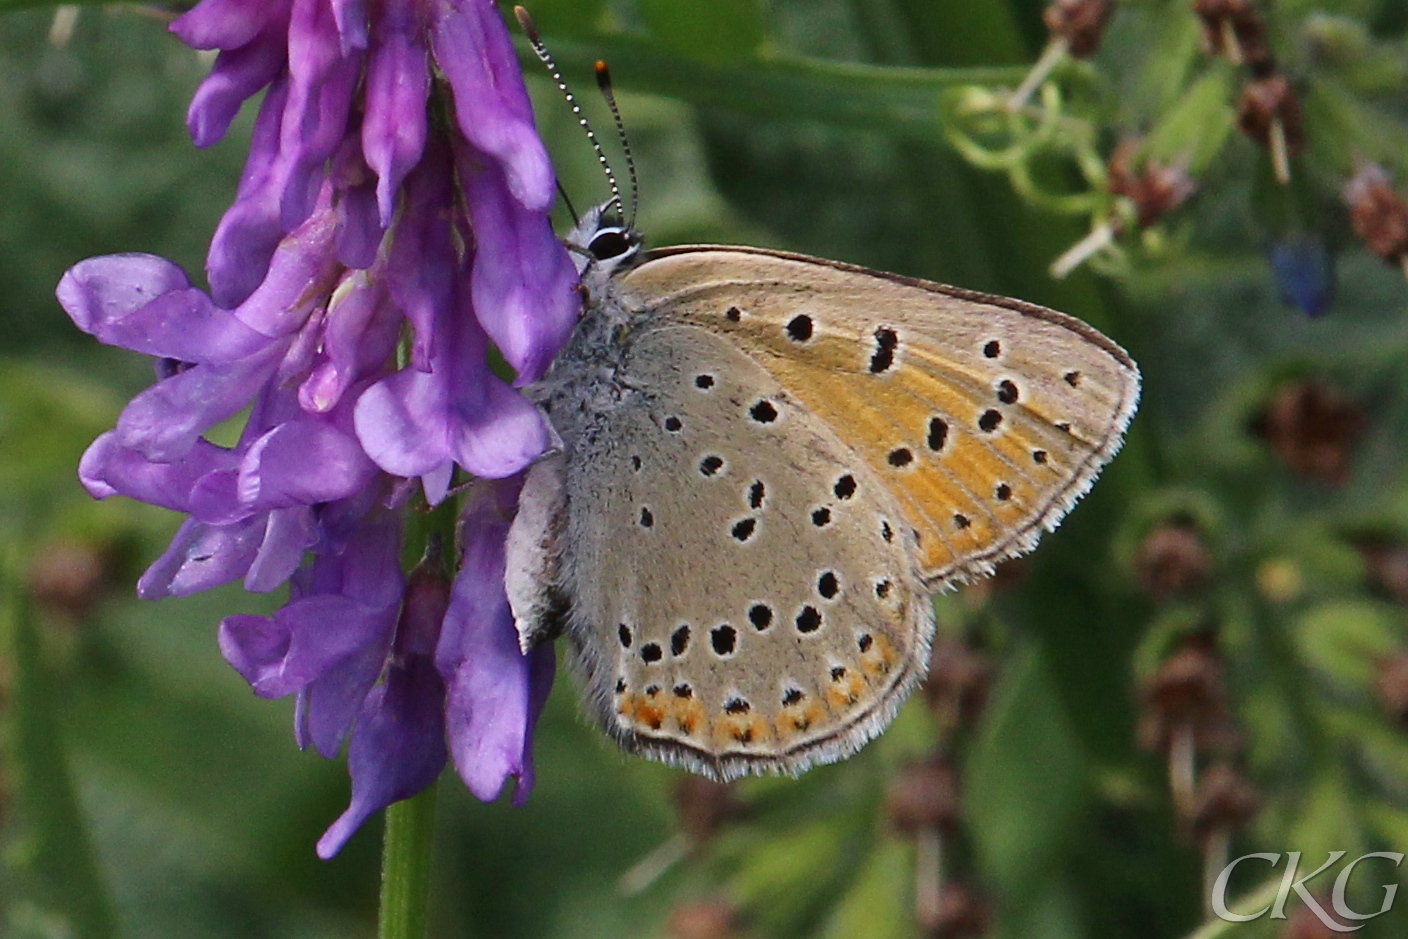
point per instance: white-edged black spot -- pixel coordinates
(673, 424)
(651, 652)
(900, 456)
(1007, 391)
(809, 619)
(1063, 426)
(711, 465)
(1038, 456)
(838, 672)
(733, 314)
(623, 633)
(882, 588)
(723, 639)
(652, 690)
(635, 463)
(647, 518)
(682, 690)
(845, 487)
(938, 433)
(992, 349)
(886, 342)
(791, 696)
(864, 642)
(744, 529)
(827, 585)
(961, 521)
(756, 492)
(1072, 378)
(800, 327)
(736, 705)
(1003, 492)
(760, 615)
(989, 420)
(704, 381)
(679, 639)
(620, 686)
(821, 517)
(886, 532)
(764, 412)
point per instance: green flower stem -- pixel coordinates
(901, 101)
(405, 866)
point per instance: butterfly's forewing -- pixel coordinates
(986, 417)
(740, 588)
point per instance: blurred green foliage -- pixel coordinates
(144, 785)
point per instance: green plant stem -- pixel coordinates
(405, 866)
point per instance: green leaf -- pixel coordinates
(1345, 639)
(875, 905)
(708, 30)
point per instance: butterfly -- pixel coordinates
(768, 463)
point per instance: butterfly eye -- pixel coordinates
(610, 244)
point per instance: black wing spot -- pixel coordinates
(679, 640)
(620, 686)
(756, 493)
(821, 517)
(993, 349)
(900, 457)
(744, 529)
(989, 421)
(799, 328)
(886, 532)
(652, 690)
(673, 424)
(864, 642)
(623, 632)
(838, 672)
(647, 518)
(1038, 456)
(809, 619)
(961, 521)
(1003, 492)
(1072, 378)
(828, 586)
(938, 433)
(682, 690)
(1007, 391)
(733, 314)
(737, 706)
(635, 463)
(710, 465)
(763, 412)
(760, 615)
(845, 487)
(1064, 426)
(882, 588)
(723, 639)
(886, 341)
(650, 652)
(791, 696)
(704, 382)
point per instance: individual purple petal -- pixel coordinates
(321, 83)
(360, 336)
(397, 85)
(108, 468)
(236, 76)
(100, 290)
(279, 655)
(300, 274)
(397, 750)
(359, 227)
(330, 704)
(287, 534)
(250, 230)
(200, 557)
(491, 691)
(180, 324)
(473, 49)
(227, 24)
(422, 267)
(351, 19)
(303, 463)
(523, 280)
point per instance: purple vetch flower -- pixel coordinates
(357, 221)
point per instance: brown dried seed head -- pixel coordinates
(1268, 101)
(1225, 800)
(1187, 694)
(924, 797)
(958, 682)
(1080, 23)
(1171, 560)
(703, 806)
(1313, 428)
(962, 913)
(67, 576)
(1155, 189)
(1379, 215)
(1239, 21)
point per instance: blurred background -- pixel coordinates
(1208, 659)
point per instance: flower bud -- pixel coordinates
(1171, 559)
(924, 796)
(1080, 23)
(1312, 428)
(1378, 214)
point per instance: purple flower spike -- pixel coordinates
(495, 692)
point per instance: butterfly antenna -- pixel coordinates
(567, 201)
(603, 81)
(534, 40)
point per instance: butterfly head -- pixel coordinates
(602, 243)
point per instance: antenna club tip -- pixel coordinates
(603, 74)
(526, 22)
